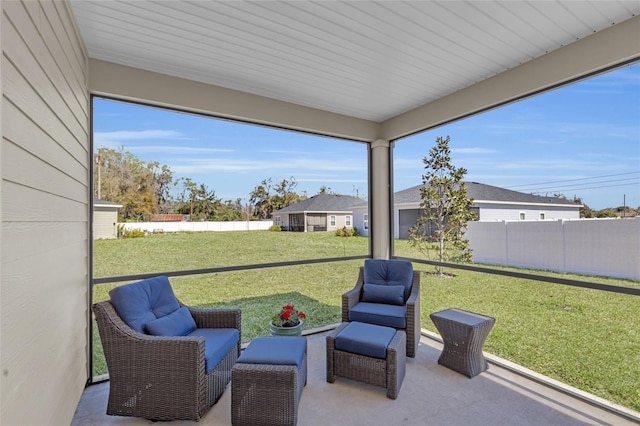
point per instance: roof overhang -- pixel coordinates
(356, 70)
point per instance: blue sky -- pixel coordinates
(580, 140)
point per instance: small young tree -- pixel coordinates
(445, 206)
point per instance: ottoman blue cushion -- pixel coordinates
(275, 351)
(218, 342)
(378, 313)
(365, 339)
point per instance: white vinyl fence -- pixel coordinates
(602, 247)
(151, 227)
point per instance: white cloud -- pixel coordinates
(291, 165)
(178, 150)
(120, 137)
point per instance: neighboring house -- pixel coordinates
(322, 212)
(105, 219)
(491, 203)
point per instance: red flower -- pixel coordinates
(288, 317)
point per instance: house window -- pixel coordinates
(277, 221)
(365, 219)
(332, 220)
(522, 216)
(541, 216)
(347, 220)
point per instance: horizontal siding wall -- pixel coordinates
(489, 212)
(600, 247)
(45, 213)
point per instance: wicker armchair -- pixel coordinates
(406, 317)
(165, 377)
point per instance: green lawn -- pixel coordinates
(586, 338)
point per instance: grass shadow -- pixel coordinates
(257, 311)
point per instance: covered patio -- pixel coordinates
(505, 394)
(365, 72)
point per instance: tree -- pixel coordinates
(163, 183)
(267, 197)
(261, 199)
(198, 201)
(326, 190)
(585, 210)
(446, 208)
(127, 180)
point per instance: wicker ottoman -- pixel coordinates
(267, 381)
(463, 334)
(368, 353)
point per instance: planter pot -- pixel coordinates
(285, 331)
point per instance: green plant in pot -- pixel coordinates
(287, 322)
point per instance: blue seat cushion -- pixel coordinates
(275, 350)
(218, 342)
(177, 323)
(389, 272)
(144, 301)
(389, 294)
(365, 339)
(378, 313)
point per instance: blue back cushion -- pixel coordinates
(144, 301)
(389, 272)
(177, 323)
(389, 294)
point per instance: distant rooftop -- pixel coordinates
(105, 203)
(324, 203)
(481, 192)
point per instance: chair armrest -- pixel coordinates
(123, 345)
(352, 297)
(413, 316)
(414, 296)
(216, 318)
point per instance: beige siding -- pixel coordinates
(341, 221)
(105, 221)
(45, 213)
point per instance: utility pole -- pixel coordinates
(97, 159)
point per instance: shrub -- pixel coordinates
(346, 232)
(276, 228)
(133, 233)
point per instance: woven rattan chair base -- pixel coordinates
(163, 377)
(388, 373)
(265, 394)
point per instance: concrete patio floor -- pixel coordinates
(430, 395)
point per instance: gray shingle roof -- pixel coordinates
(323, 203)
(481, 192)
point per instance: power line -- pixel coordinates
(572, 180)
(592, 183)
(582, 189)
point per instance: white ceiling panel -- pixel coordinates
(367, 59)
